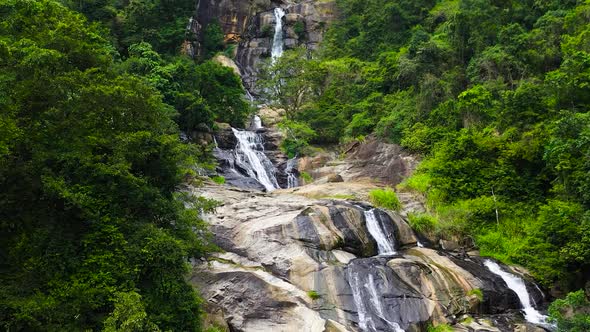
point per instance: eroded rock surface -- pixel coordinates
(293, 263)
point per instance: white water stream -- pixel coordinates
(292, 181)
(361, 286)
(256, 123)
(250, 156)
(384, 244)
(517, 285)
(277, 41)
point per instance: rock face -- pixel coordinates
(372, 160)
(232, 15)
(304, 25)
(292, 263)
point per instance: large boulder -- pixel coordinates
(379, 161)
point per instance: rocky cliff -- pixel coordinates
(292, 263)
(250, 24)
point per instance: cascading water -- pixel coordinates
(517, 285)
(292, 181)
(277, 41)
(372, 311)
(384, 244)
(250, 156)
(256, 123)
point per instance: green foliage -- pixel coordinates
(297, 136)
(213, 40)
(571, 314)
(160, 23)
(494, 95)
(267, 31)
(313, 295)
(95, 232)
(218, 179)
(440, 328)
(385, 198)
(306, 177)
(129, 315)
(299, 29)
(422, 222)
(477, 292)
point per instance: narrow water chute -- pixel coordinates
(250, 156)
(277, 41)
(517, 285)
(384, 241)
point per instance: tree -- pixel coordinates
(89, 207)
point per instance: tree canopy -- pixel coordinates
(97, 229)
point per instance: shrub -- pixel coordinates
(571, 313)
(477, 292)
(313, 295)
(385, 198)
(306, 177)
(440, 328)
(422, 222)
(299, 29)
(266, 31)
(218, 179)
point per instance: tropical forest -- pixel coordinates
(295, 165)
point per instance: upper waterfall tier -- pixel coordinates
(277, 41)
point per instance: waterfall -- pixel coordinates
(277, 41)
(250, 157)
(374, 315)
(291, 176)
(256, 123)
(517, 285)
(371, 308)
(384, 244)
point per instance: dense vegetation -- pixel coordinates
(494, 94)
(95, 230)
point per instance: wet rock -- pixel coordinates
(497, 297)
(384, 298)
(258, 301)
(225, 137)
(281, 246)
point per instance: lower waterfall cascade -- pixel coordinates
(516, 284)
(250, 156)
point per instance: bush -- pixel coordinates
(477, 292)
(572, 313)
(440, 328)
(297, 137)
(299, 29)
(385, 198)
(313, 295)
(423, 222)
(306, 177)
(266, 31)
(218, 179)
